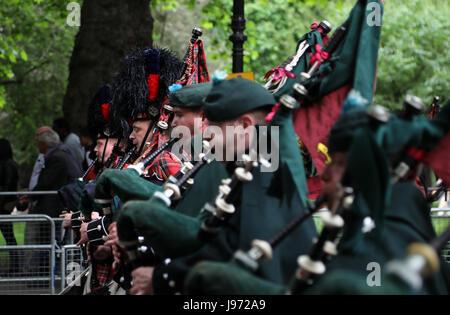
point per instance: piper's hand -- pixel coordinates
(83, 234)
(95, 215)
(142, 281)
(113, 240)
(67, 218)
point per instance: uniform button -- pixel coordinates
(167, 261)
(171, 283)
(165, 276)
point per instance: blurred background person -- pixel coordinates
(88, 143)
(70, 139)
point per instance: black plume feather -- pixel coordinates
(130, 89)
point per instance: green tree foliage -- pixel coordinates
(35, 47)
(413, 54)
(36, 44)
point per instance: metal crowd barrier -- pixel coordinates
(440, 218)
(43, 260)
(28, 268)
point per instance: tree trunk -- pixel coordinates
(109, 28)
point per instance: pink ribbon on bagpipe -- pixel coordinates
(319, 55)
(270, 115)
(279, 73)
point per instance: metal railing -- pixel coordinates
(30, 266)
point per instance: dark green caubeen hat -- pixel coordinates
(229, 99)
(190, 96)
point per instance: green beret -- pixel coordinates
(342, 132)
(229, 99)
(190, 96)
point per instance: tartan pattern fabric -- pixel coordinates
(196, 68)
(104, 275)
(165, 164)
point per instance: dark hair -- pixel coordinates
(61, 123)
(86, 132)
(5, 150)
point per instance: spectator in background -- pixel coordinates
(53, 176)
(75, 168)
(8, 182)
(39, 164)
(87, 141)
(71, 140)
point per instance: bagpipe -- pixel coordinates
(175, 185)
(143, 164)
(224, 203)
(328, 50)
(211, 220)
(193, 231)
(138, 251)
(166, 112)
(414, 154)
(97, 230)
(128, 156)
(88, 170)
(313, 264)
(422, 262)
(262, 249)
(277, 77)
(325, 247)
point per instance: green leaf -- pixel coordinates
(24, 55)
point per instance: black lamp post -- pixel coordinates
(238, 38)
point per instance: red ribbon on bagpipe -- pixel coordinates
(278, 73)
(319, 55)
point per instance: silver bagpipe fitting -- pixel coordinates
(412, 106)
(260, 250)
(173, 190)
(378, 115)
(288, 102)
(163, 122)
